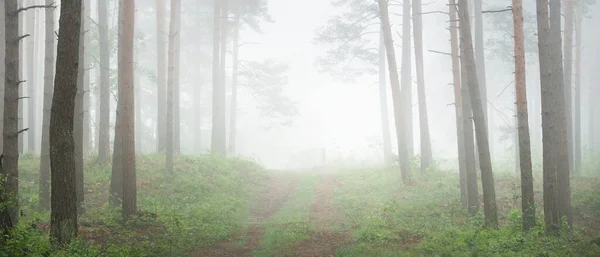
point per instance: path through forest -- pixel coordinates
(272, 195)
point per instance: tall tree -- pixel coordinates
(426, 155)
(577, 86)
(30, 79)
(383, 106)
(176, 87)
(63, 222)
(171, 74)
(78, 122)
(10, 163)
(104, 124)
(527, 200)
(48, 88)
(234, 82)
(552, 119)
(126, 36)
(406, 78)
(562, 110)
(116, 177)
(218, 139)
(483, 147)
(480, 60)
(568, 75)
(161, 73)
(87, 128)
(396, 91)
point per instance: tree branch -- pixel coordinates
(508, 8)
(22, 9)
(22, 130)
(23, 97)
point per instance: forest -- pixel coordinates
(299, 128)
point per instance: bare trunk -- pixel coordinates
(116, 179)
(577, 106)
(232, 121)
(48, 88)
(218, 139)
(568, 73)
(63, 222)
(480, 63)
(173, 31)
(22, 68)
(406, 78)
(527, 200)
(129, 203)
(385, 123)
(176, 90)
(104, 123)
(161, 42)
(483, 147)
(78, 120)
(426, 155)
(30, 79)
(396, 91)
(87, 128)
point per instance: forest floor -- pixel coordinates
(322, 239)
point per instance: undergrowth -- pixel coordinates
(205, 200)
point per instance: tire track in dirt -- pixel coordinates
(324, 241)
(270, 198)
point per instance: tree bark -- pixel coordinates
(44, 193)
(161, 42)
(232, 121)
(78, 122)
(406, 78)
(173, 31)
(483, 147)
(563, 109)
(30, 79)
(383, 106)
(129, 203)
(527, 200)
(22, 68)
(426, 155)
(577, 129)
(396, 91)
(63, 222)
(104, 124)
(176, 87)
(116, 178)
(10, 163)
(480, 64)
(568, 74)
(87, 128)
(218, 139)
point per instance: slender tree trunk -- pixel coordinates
(30, 79)
(527, 200)
(385, 123)
(406, 78)
(116, 179)
(563, 109)
(10, 163)
(78, 122)
(63, 222)
(577, 106)
(176, 88)
(218, 139)
(396, 91)
(480, 65)
(483, 147)
(458, 102)
(2, 69)
(161, 42)
(568, 74)
(200, 20)
(129, 203)
(426, 155)
(87, 128)
(232, 121)
(104, 123)
(48, 88)
(552, 120)
(173, 31)
(22, 69)
(138, 114)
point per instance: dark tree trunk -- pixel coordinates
(78, 122)
(396, 91)
(483, 147)
(527, 200)
(104, 124)
(48, 88)
(63, 222)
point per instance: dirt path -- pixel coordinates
(269, 200)
(325, 218)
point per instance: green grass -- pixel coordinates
(205, 201)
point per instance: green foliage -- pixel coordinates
(207, 199)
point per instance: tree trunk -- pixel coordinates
(480, 65)
(568, 73)
(527, 200)
(78, 120)
(458, 102)
(232, 121)
(406, 78)
(577, 129)
(173, 31)
(198, 90)
(116, 178)
(552, 119)
(483, 147)
(48, 88)
(30, 79)
(426, 156)
(21, 117)
(396, 91)
(563, 109)
(10, 162)
(63, 222)
(385, 123)
(218, 139)
(87, 128)
(161, 42)
(127, 28)
(104, 123)
(176, 87)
